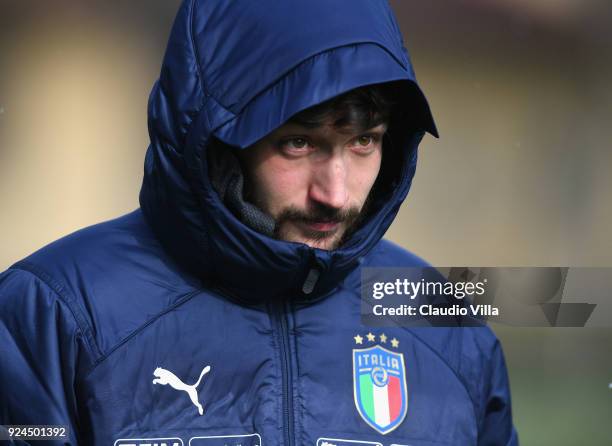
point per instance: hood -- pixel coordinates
(235, 71)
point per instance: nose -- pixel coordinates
(329, 183)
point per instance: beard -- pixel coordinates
(346, 221)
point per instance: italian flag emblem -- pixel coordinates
(379, 385)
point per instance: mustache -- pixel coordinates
(319, 213)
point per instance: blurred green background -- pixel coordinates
(520, 177)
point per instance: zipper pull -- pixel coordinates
(311, 280)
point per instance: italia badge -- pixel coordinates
(379, 384)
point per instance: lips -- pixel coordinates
(323, 226)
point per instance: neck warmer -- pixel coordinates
(227, 179)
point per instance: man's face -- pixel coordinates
(313, 181)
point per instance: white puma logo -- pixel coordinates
(163, 377)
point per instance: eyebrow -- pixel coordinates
(289, 128)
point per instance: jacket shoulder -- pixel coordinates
(474, 354)
(115, 276)
(387, 253)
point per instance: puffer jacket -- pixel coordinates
(177, 324)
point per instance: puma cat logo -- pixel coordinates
(163, 377)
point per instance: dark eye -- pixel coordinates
(296, 143)
(295, 146)
(365, 140)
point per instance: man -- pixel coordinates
(226, 310)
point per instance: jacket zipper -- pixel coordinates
(288, 421)
(281, 313)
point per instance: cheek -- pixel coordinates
(277, 186)
(365, 172)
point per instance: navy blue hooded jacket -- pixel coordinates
(179, 324)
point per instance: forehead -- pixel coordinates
(325, 129)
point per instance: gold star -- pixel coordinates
(394, 342)
(371, 337)
(383, 338)
(358, 339)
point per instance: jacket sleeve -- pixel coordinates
(40, 344)
(496, 427)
